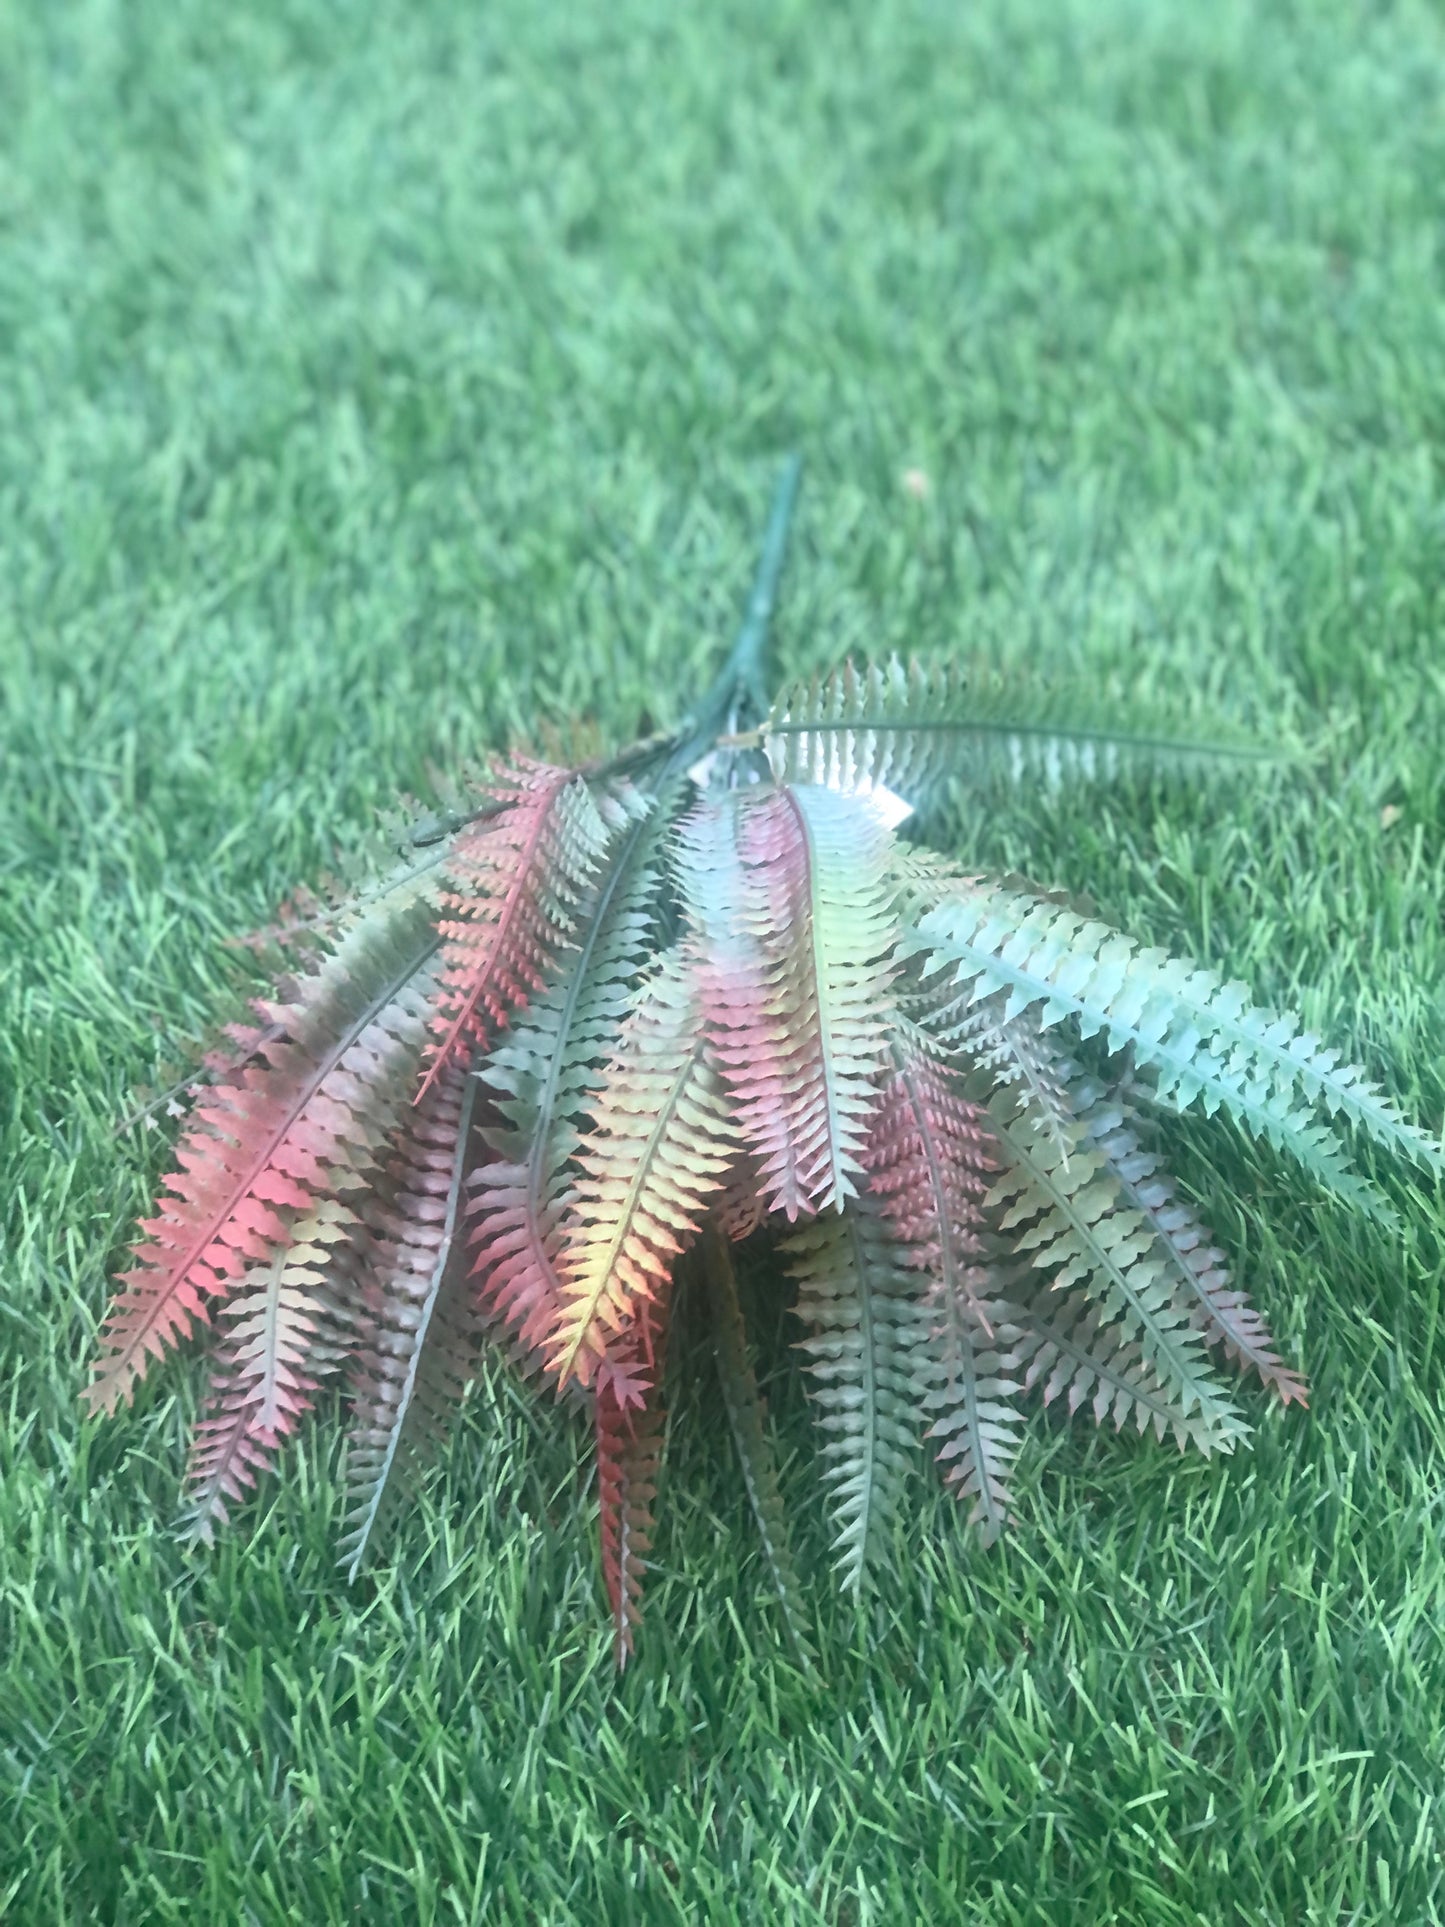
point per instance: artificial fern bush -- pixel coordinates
(606, 1017)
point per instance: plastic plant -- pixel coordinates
(605, 1021)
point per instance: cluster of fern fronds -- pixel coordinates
(701, 994)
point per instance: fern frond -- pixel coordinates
(512, 886)
(906, 727)
(264, 1147)
(412, 1367)
(793, 929)
(755, 1453)
(660, 1149)
(1066, 1216)
(1013, 1052)
(1066, 1342)
(971, 1396)
(1221, 1314)
(930, 1166)
(285, 1332)
(1200, 1037)
(629, 1434)
(980, 1036)
(931, 1162)
(861, 1304)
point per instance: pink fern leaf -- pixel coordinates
(303, 1124)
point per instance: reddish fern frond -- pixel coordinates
(516, 1250)
(660, 1148)
(512, 886)
(931, 1160)
(418, 1351)
(1221, 1314)
(793, 916)
(628, 1426)
(264, 1147)
(285, 1331)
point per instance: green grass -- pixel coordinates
(376, 380)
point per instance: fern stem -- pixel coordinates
(739, 685)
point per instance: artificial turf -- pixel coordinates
(379, 380)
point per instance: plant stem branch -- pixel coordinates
(739, 689)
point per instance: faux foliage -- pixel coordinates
(605, 1021)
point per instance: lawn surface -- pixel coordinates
(378, 380)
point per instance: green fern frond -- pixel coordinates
(861, 1304)
(1221, 1314)
(548, 1066)
(545, 1066)
(755, 1452)
(908, 727)
(1065, 1343)
(1066, 1216)
(1200, 1038)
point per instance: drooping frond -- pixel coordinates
(906, 727)
(1201, 1038)
(861, 1304)
(744, 1406)
(629, 1433)
(930, 1165)
(931, 1162)
(1065, 1342)
(792, 930)
(1222, 1314)
(512, 885)
(972, 1401)
(659, 1151)
(1065, 1216)
(284, 1332)
(414, 1360)
(579, 1017)
(303, 1124)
